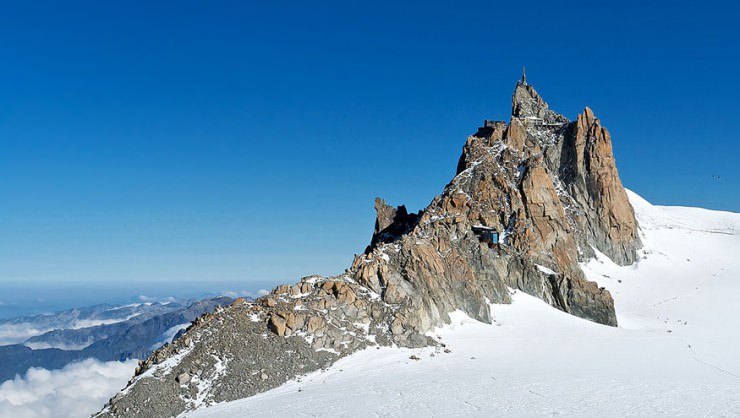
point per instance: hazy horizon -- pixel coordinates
(44, 298)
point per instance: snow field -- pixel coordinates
(675, 352)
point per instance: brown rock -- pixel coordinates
(282, 289)
(516, 135)
(277, 325)
(314, 324)
(268, 301)
(607, 218)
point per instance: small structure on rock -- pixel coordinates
(486, 235)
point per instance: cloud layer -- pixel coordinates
(77, 390)
(237, 293)
(17, 333)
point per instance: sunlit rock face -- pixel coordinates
(549, 185)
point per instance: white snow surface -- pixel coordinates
(676, 351)
(545, 269)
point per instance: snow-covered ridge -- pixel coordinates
(681, 217)
(674, 353)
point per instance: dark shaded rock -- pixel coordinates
(391, 222)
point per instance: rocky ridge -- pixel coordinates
(550, 186)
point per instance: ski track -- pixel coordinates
(674, 353)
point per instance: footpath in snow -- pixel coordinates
(675, 353)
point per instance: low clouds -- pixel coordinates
(17, 333)
(247, 293)
(150, 299)
(77, 390)
(228, 293)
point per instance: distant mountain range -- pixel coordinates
(104, 332)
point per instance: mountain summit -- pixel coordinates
(545, 186)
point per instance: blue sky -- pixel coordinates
(245, 141)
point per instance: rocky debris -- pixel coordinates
(548, 185)
(246, 348)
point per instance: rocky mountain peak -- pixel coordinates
(547, 186)
(526, 103)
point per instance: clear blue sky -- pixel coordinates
(245, 141)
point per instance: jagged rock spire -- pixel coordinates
(527, 103)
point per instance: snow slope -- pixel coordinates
(676, 352)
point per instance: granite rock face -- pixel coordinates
(548, 185)
(589, 170)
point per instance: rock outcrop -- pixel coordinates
(607, 220)
(549, 185)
